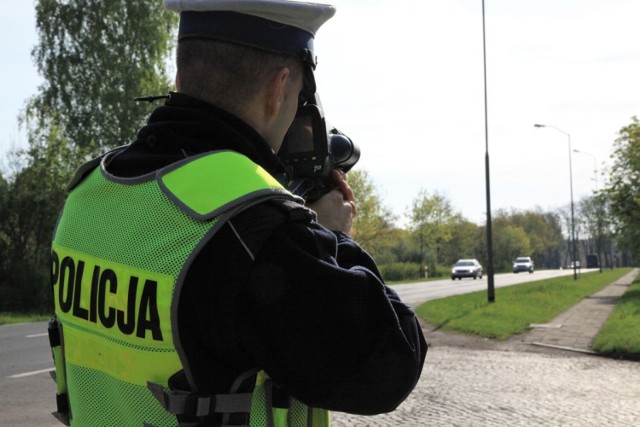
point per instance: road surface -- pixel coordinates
(416, 293)
(27, 390)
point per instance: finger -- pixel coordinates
(344, 186)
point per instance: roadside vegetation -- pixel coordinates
(619, 337)
(10, 317)
(517, 307)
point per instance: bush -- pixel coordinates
(400, 271)
(395, 271)
(439, 270)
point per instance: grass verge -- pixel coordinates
(7, 317)
(619, 337)
(515, 307)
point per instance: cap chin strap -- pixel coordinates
(309, 62)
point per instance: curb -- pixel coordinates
(562, 347)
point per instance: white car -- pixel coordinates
(523, 263)
(466, 268)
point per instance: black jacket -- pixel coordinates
(311, 308)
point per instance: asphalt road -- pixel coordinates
(27, 390)
(417, 293)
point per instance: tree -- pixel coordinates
(569, 230)
(509, 242)
(590, 211)
(464, 243)
(402, 248)
(374, 222)
(30, 202)
(539, 236)
(544, 232)
(550, 255)
(431, 219)
(607, 230)
(96, 57)
(623, 188)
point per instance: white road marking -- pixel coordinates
(37, 335)
(28, 374)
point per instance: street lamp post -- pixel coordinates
(573, 223)
(491, 293)
(595, 167)
(595, 180)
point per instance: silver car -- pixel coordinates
(466, 268)
(523, 263)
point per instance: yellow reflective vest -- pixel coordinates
(119, 254)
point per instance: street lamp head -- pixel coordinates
(538, 125)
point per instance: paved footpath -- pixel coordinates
(577, 327)
(469, 381)
(463, 387)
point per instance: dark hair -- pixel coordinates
(226, 74)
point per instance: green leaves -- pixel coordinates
(96, 57)
(374, 223)
(623, 190)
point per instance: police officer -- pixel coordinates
(191, 288)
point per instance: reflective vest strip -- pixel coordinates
(106, 307)
(191, 183)
(124, 303)
(319, 417)
(134, 366)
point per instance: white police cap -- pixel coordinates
(280, 26)
(306, 16)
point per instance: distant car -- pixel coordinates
(577, 263)
(523, 263)
(466, 268)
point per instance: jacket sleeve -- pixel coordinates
(319, 320)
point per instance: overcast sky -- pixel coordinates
(404, 79)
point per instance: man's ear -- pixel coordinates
(276, 91)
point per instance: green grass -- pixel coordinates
(10, 317)
(515, 307)
(619, 336)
